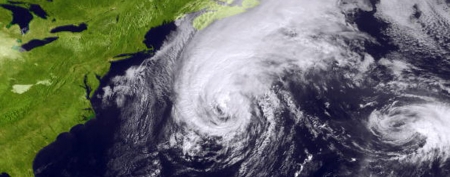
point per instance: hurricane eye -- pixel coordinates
(218, 111)
(220, 114)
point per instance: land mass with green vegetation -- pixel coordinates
(43, 91)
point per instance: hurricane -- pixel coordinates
(290, 88)
(420, 126)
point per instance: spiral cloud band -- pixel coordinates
(421, 125)
(226, 84)
(291, 88)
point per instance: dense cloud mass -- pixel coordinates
(288, 88)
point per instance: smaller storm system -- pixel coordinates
(288, 88)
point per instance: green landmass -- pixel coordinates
(42, 91)
(218, 11)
